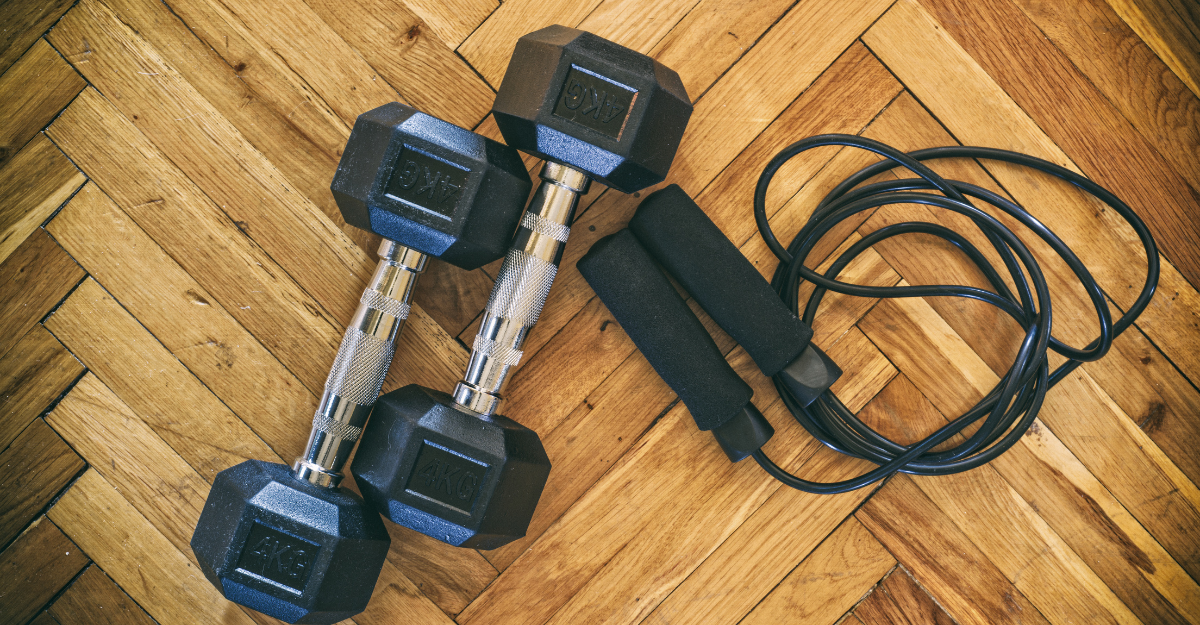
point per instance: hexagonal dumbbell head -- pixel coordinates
(574, 98)
(430, 185)
(468, 481)
(298, 552)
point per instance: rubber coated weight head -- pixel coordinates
(291, 550)
(465, 480)
(574, 98)
(430, 185)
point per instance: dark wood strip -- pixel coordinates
(24, 22)
(37, 466)
(33, 280)
(96, 600)
(32, 375)
(34, 568)
(32, 92)
(34, 183)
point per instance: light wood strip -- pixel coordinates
(924, 58)
(24, 22)
(33, 280)
(1171, 29)
(38, 564)
(753, 573)
(37, 465)
(94, 598)
(169, 587)
(32, 375)
(411, 57)
(1081, 120)
(828, 582)
(34, 183)
(265, 100)
(488, 48)
(128, 359)
(1058, 486)
(452, 20)
(187, 319)
(32, 92)
(957, 574)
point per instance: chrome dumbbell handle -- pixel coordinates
(521, 287)
(362, 362)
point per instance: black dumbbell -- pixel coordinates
(681, 237)
(674, 342)
(288, 542)
(448, 465)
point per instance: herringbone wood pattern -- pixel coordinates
(174, 279)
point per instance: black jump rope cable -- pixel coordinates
(1013, 404)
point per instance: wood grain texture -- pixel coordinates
(32, 92)
(34, 183)
(24, 22)
(1172, 29)
(899, 599)
(32, 375)
(33, 280)
(163, 582)
(95, 599)
(37, 466)
(35, 567)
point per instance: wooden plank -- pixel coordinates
(1095, 234)
(32, 92)
(1129, 74)
(249, 189)
(828, 582)
(187, 319)
(1081, 121)
(45, 618)
(751, 571)
(37, 466)
(452, 297)
(33, 280)
(1171, 29)
(32, 375)
(33, 183)
(489, 48)
(1055, 484)
(452, 20)
(24, 22)
(209, 247)
(414, 60)
(161, 580)
(270, 106)
(912, 601)
(94, 598)
(128, 359)
(34, 568)
(956, 573)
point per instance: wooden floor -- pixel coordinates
(175, 278)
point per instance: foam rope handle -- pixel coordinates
(652, 313)
(677, 233)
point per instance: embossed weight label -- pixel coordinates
(446, 477)
(281, 558)
(596, 102)
(427, 183)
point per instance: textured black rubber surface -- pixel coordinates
(663, 327)
(298, 552)
(574, 98)
(677, 233)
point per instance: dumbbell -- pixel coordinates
(446, 464)
(289, 542)
(681, 237)
(674, 342)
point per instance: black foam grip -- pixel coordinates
(693, 250)
(652, 313)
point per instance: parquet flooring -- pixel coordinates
(175, 277)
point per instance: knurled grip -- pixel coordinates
(521, 288)
(358, 370)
